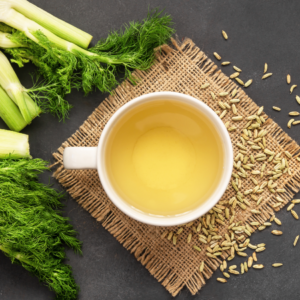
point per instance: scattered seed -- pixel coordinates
(170, 236)
(237, 69)
(189, 237)
(234, 272)
(226, 275)
(296, 122)
(224, 35)
(265, 68)
(276, 108)
(174, 239)
(232, 267)
(277, 221)
(234, 75)
(289, 124)
(217, 56)
(213, 95)
(294, 113)
(223, 94)
(296, 240)
(290, 207)
(292, 88)
(245, 266)
(277, 232)
(260, 249)
(250, 261)
(267, 75)
(204, 86)
(237, 118)
(254, 256)
(241, 82)
(248, 83)
(288, 78)
(242, 268)
(234, 92)
(295, 201)
(201, 266)
(222, 115)
(276, 265)
(225, 63)
(223, 280)
(197, 248)
(298, 99)
(295, 215)
(258, 266)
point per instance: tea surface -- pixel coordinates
(164, 158)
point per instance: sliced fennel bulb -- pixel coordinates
(10, 113)
(11, 84)
(13, 145)
(48, 21)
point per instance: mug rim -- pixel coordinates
(195, 213)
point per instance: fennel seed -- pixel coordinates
(225, 63)
(288, 78)
(276, 232)
(289, 124)
(234, 92)
(237, 69)
(254, 256)
(204, 86)
(294, 113)
(296, 240)
(234, 75)
(294, 214)
(241, 82)
(250, 261)
(248, 83)
(242, 268)
(292, 88)
(217, 56)
(265, 67)
(259, 266)
(223, 94)
(267, 75)
(223, 280)
(201, 269)
(276, 265)
(276, 108)
(224, 35)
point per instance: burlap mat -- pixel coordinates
(182, 69)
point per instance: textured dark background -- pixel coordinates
(259, 32)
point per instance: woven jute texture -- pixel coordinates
(182, 68)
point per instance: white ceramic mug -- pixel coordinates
(93, 158)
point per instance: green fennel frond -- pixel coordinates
(32, 230)
(130, 48)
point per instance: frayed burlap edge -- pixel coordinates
(104, 212)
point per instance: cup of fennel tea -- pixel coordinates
(163, 158)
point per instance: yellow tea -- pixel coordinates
(164, 158)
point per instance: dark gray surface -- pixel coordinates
(259, 32)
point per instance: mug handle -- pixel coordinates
(80, 158)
